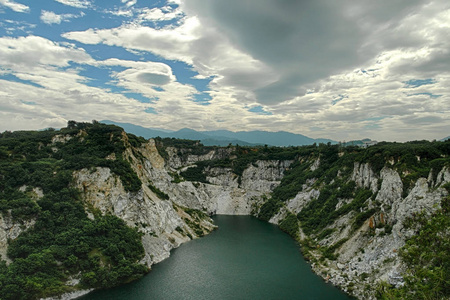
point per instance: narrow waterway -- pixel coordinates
(244, 259)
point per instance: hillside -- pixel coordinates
(90, 206)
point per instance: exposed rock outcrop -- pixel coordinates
(364, 255)
(10, 229)
(369, 254)
(364, 176)
(355, 250)
(162, 221)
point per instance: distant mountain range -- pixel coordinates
(444, 139)
(224, 137)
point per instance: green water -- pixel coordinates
(244, 259)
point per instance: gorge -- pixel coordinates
(90, 206)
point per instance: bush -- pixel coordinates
(428, 259)
(269, 209)
(158, 192)
(64, 241)
(362, 217)
(195, 174)
(290, 225)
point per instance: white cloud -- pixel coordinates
(12, 26)
(331, 69)
(165, 13)
(49, 17)
(129, 3)
(121, 12)
(170, 43)
(18, 7)
(76, 3)
(32, 51)
(210, 53)
(299, 83)
(59, 93)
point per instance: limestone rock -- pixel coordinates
(10, 229)
(364, 176)
(391, 187)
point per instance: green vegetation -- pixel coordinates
(64, 242)
(236, 158)
(290, 225)
(328, 252)
(362, 217)
(105, 252)
(193, 221)
(427, 256)
(32, 159)
(269, 208)
(184, 147)
(158, 192)
(176, 177)
(19, 205)
(195, 174)
(412, 160)
(330, 163)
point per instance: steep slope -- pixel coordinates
(68, 198)
(352, 212)
(94, 225)
(92, 207)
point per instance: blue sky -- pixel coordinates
(336, 69)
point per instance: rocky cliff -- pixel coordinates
(358, 257)
(346, 206)
(165, 221)
(364, 241)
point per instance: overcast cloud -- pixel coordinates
(338, 69)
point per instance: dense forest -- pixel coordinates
(64, 242)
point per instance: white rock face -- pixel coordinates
(179, 158)
(420, 199)
(366, 250)
(315, 165)
(364, 176)
(61, 138)
(369, 255)
(443, 176)
(366, 255)
(265, 175)
(391, 187)
(223, 177)
(71, 295)
(157, 218)
(223, 194)
(10, 229)
(296, 204)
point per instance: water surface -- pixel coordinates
(245, 258)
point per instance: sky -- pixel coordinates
(338, 69)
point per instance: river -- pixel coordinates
(245, 258)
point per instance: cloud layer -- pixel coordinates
(339, 69)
